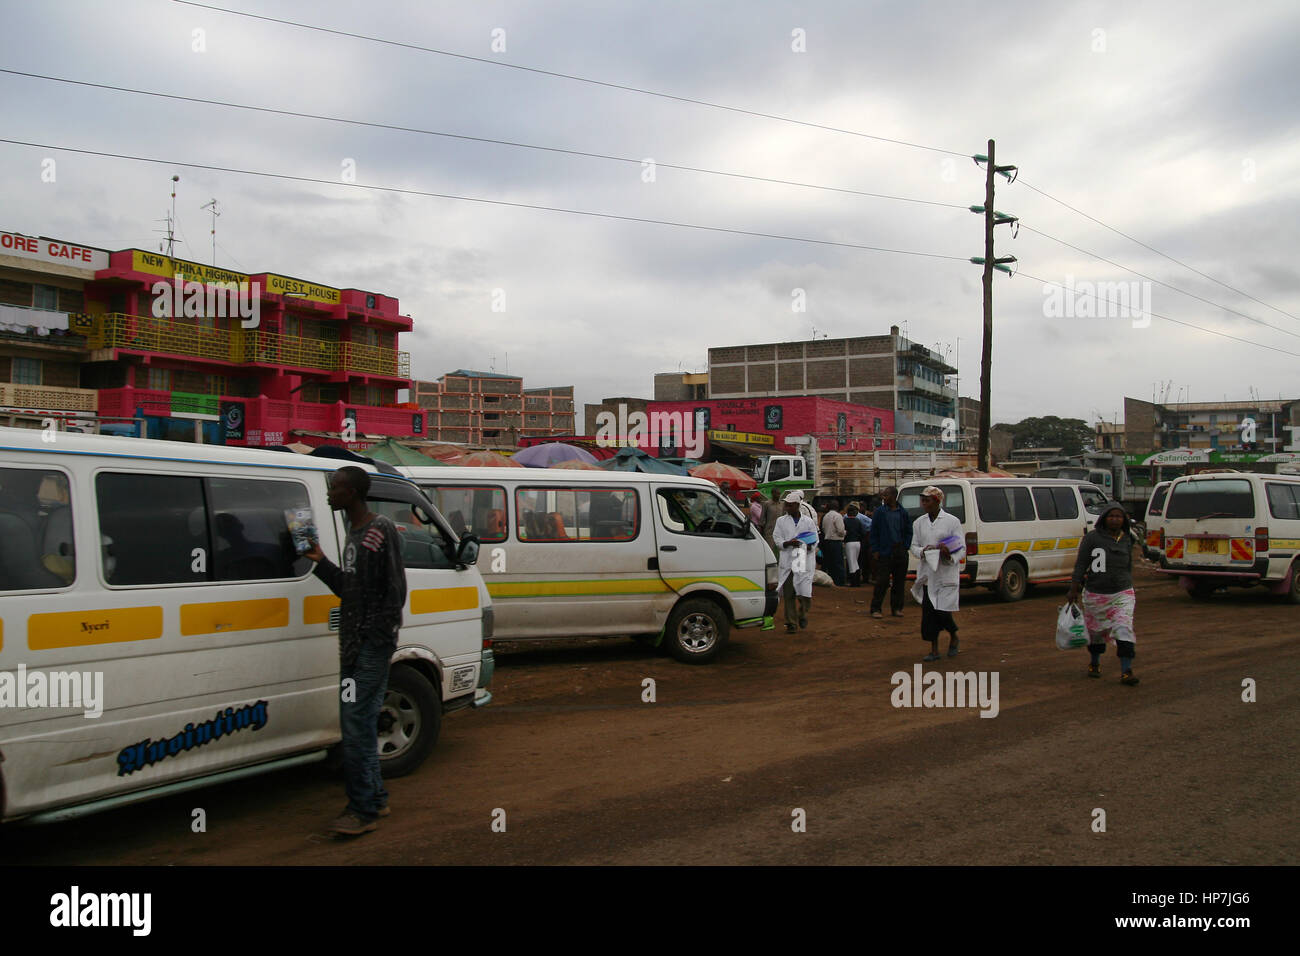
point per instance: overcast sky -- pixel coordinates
(1174, 122)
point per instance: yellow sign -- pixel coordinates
(282, 285)
(156, 264)
(748, 438)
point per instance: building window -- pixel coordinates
(160, 379)
(26, 371)
(45, 297)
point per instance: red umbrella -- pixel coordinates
(576, 465)
(719, 474)
(488, 459)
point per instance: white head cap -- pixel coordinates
(933, 492)
(795, 496)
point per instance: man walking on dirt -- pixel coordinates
(891, 536)
(793, 538)
(372, 587)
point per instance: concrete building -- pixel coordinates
(612, 405)
(879, 371)
(1251, 426)
(474, 408)
(548, 411)
(681, 386)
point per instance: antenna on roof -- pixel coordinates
(215, 214)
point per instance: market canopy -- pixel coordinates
(634, 459)
(395, 453)
(552, 453)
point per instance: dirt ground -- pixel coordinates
(714, 770)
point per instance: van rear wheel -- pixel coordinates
(1013, 580)
(1201, 590)
(1293, 592)
(409, 721)
(696, 631)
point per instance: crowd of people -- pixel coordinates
(872, 545)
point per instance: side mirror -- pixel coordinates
(467, 550)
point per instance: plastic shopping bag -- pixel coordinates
(1070, 630)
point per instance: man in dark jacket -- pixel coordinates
(372, 587)
(891, 536)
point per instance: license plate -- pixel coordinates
(462, 678)
(1211, 546)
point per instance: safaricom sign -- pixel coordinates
(43, 249)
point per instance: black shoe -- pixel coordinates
(803, 622)
(952, 648)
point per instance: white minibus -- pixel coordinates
(570, 553)
(159, 631)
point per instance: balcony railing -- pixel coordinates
(244, 346)
(49, 397)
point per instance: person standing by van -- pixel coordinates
(833, 542)
(938, 582)
(795, 538)
(852, 544)
(891, 537)
(371, 585)
(1103, 571)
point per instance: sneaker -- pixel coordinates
(803, 622)
(349, 824)
(1094, 670)
(952, 648)
(384, 811)
(931, 657)
(876, 614)
(895, 613)
(1128, 678)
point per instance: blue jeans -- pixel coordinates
(359, 723)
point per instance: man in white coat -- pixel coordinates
(938, 543)
(795, 538)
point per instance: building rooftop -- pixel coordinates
(470, 373)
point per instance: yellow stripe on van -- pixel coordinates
(518, 589)
(81, 628)
(221, 617)
(1283, 543)
(991, 547)
(1067, 544)
(316, 609)
(1017, 545)
(1046, 544)
(731, 583)
(435, 600)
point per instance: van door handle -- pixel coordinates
(668, 547)
(652, 564)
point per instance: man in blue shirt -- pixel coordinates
(891, 536)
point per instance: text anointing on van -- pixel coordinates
(76, 690)
(224, 723)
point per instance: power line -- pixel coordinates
(1199, 328)
(1193, 295)
(1158, 252)
(478, 199)
(475, 139)
(570, 76)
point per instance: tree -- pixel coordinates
(1071, 435)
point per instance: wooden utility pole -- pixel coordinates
(986, 357)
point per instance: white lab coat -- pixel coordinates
(943, 582)
(787, 528)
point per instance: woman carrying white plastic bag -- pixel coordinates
(1070, 629)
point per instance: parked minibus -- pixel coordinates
(159, 629)
(1153, 523)
(1019, 531)
(1234, 529)
(571, 553)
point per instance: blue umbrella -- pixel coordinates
(552, 453)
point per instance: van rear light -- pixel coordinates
(972, 543)
(1261, 539)
(489, 622)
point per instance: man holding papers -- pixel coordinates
(795, 538)
(938, 544)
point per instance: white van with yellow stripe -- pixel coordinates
(1234, 529)
(1019, 531)
(165, 574)
(571, 553)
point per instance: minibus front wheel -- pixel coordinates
(696, 631)
(409, 721)
(1013, 580)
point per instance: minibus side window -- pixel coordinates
(1283, 500)
(36, 545)
(423, 544)
(153, 528)
(1045, 502)
(694, 511)
(1004, 504)
(1158, 500)
(250, 529)
(1066, 505)
(478, 510)
(576, 514)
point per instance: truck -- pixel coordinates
(850, 474)
(1104, 470)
